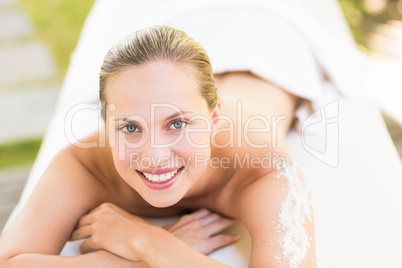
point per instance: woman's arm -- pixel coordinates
(182, 244)
(170, 251)
(97, 259)
(65, 193)
(276, 210)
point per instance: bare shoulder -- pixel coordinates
(275, 209)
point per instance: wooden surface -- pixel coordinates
(11, 185)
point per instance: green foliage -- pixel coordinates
(362, 21)
(19, 153)
(58, 23)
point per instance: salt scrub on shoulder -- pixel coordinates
(296, 207)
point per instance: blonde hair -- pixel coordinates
(158, 43)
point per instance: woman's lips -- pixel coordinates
(159, 179)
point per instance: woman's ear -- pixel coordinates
(216, 112)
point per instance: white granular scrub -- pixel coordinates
(295, 209)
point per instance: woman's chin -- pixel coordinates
(162, 201)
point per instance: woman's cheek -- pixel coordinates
(196, 149)
(199, 138)
(124, 157)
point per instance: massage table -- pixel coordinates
(349, 161)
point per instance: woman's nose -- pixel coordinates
(158, 149)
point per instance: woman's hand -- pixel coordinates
(200, 230)
(113, 229)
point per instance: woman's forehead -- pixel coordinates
(153, 80)
(162, 86)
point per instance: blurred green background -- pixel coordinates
(366, 16)
(58, 24)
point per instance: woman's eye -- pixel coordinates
(130, 129)
(178, 124)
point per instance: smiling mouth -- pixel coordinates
(160, 178)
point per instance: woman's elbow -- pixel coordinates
(5, 257)
(4, 261)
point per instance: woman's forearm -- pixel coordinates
(98, 259)
(166, 250)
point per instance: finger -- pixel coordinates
(103, 206)
(85, 220)
(218, 226)
(81, 233)
(169, 225)
(209, 219)
(197, 215)
(113, 209)
(88, 246)
(219, 241)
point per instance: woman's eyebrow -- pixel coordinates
(127, 119)
(177, 114)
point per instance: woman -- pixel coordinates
(172, 147)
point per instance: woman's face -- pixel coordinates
(159, 129)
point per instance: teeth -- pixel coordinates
(155, 178)
(160, 178)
